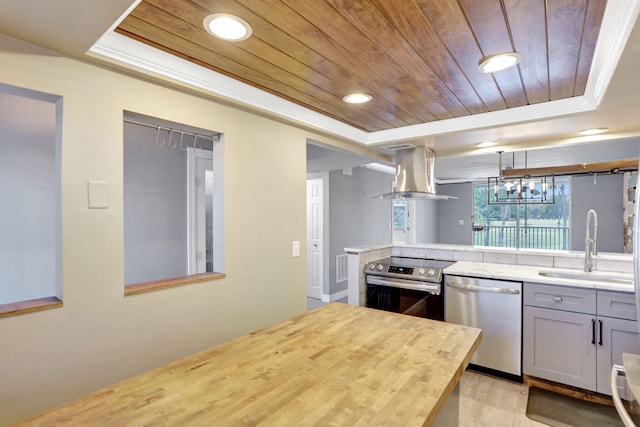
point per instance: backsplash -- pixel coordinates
(359, 256)
(622, 263)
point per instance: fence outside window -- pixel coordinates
(531, 237)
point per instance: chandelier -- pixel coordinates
(520, 190)
(525, 190)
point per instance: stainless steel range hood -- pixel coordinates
(415, 175)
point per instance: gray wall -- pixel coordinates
(426, 220)
(454, 210)
(606, 198)
(355, 217)
(28, 200)
(437, 221)
(155, 207)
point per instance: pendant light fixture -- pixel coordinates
(520, 190)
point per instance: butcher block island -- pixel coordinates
(336, 365)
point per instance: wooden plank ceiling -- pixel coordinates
(417, 58)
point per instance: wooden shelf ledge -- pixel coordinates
(143, 287)
(30, 306)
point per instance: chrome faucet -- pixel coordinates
(590, 244)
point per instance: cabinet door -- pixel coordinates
(557, 346)
(617, 336)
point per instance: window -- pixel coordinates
(522, 226)
(30, 198)
(400, 221)
(173, 231)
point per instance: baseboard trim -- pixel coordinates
(567, 390)
(335, 297)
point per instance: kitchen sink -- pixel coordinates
(590, 276)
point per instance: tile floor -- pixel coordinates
(485, 400)
(489, 401)
(314, 303)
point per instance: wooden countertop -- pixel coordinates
(336, 365)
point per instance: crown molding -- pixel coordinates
(131, 54)
(617, 25)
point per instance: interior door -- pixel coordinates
(314, 238)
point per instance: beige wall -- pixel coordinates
(99, 337)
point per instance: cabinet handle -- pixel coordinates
(600, 340)
(557, 298)
(593, 331)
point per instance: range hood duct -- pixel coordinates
(415, 175)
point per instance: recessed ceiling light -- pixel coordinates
(593, 131)
(227, 27)
(357, 98)
(499, 62)
(486, 144)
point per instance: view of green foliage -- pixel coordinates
(399, 215)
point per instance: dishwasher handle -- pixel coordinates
(476, 288)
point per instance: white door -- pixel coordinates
(200, 210)
(314, 238)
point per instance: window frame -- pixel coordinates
(548, 236)
(217, 154)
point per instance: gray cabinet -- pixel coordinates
(557, 346)
(618, 336)
(574, 335)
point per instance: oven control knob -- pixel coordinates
(421, 272)
(380, 267)
(431, 272)
(372, 266)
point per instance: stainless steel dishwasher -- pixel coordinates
(495, 306)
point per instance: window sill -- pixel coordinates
(30, 306)
(141, 288)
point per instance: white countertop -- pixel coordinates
(366, 248)
(526, 273)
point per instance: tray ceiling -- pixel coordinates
(417, 58)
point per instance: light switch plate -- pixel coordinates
(98, 194)
(296, 248)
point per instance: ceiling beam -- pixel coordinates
(583, 168)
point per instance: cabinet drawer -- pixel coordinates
(565, 298)
(620, 305)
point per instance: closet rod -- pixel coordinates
(212, 138)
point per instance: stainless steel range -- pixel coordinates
(412, 286)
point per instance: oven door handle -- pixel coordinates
(403, 284)
(475, 288)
